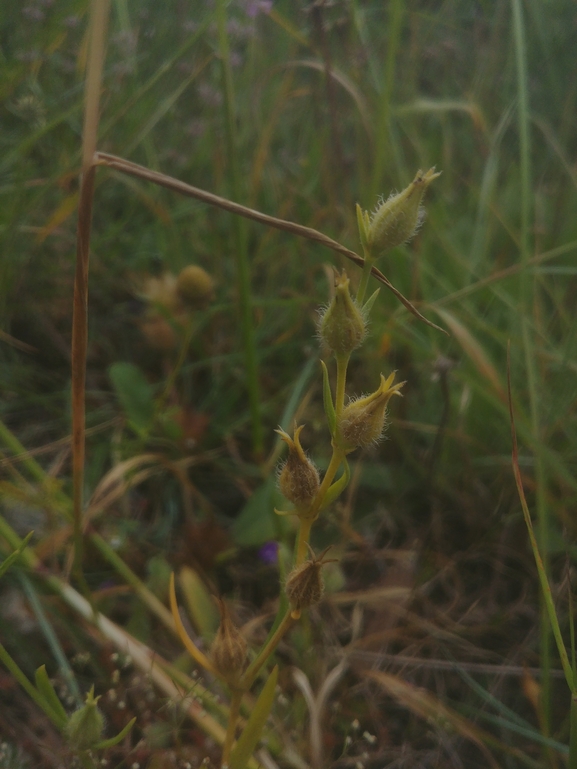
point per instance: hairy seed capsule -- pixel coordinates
(342, 326)
(304, 585)
(195, 287)
(85, 726)
(298, 478)
(229, 650)
(363, 421)
(397, 219)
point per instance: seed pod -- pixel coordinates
(85, 726)
(298, 478)
(304, 585)
(342, 326)
(397, 219)
(195, 287)
(363, 421)
(161, 291)
(229, 650)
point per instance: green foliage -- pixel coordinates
(135, 394)
(332, 104)
(255, 724)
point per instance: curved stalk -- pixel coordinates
(254, 668)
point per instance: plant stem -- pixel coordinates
(367, 268)
(98, 25)
(253, 670)
(234, 712)
(303, 538)
(342, 364)
(573, 734)
(527, 303)
(177, 367)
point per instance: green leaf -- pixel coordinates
(7, 562)
(337, 487)
(361, 225)
(255, 724)
(135, 394)
(114, 740)
(368, 305)
(328, 401)
(257, 522)
(47, 691)
(200, 604)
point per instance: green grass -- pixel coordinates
(484, 91)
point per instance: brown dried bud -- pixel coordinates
(363, 421)
(195, 286)
(342, 326)
(304, 585)
(229, 650)
(298, 478)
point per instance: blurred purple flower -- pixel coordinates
(32, 13)
(252, 8)
(72, 22)
(268, 553)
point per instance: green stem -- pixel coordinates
(527, 299)
(27, 686)
(148, 598)
(336, 461)
(241, 250)
(303, 538)
(573, 734)
(176, 368)
(231, 726)
(367, 267)
(253, 670)
(342, 364)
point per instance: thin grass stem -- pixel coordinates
(527, 306)
(233, 715)
(254, 668)
(99, 11)
(241, 246)
(141, 172)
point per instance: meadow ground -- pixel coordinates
(431, 646)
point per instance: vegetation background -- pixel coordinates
(333, 103)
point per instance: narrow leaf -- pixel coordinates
(135, 394)
(200, 605)
(103, 744)
(425, 705)
(337, 487)
(368, 305)
(187, 642)
(545, 587)
(475, 351)
(47, 691)
(7, 562)
(255, 724)
(361, 225)
(328, 401)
